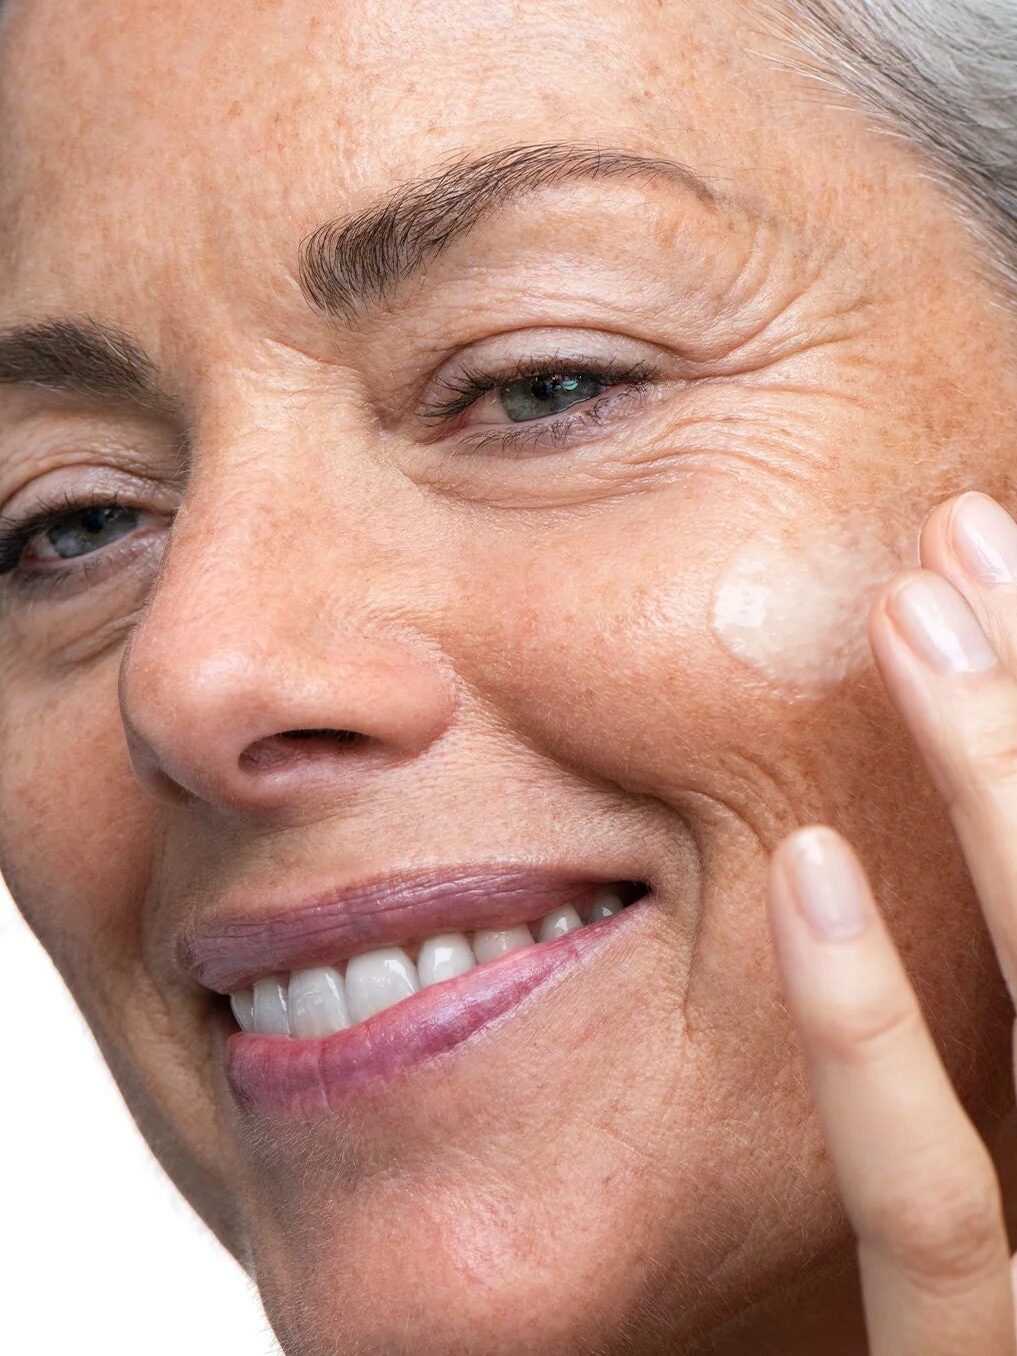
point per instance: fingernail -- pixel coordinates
(985, 539)
(827, 885)
(939, 626)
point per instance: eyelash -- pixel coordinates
(15, 535)
(463, 392)
(471, 383)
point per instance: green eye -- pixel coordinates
(537, 397)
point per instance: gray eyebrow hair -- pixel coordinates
(355, 260)
(343, 265)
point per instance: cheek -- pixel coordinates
(604, 646)
(621, 653)
(794, 607)
(658, 641)
(75, 833)
(77, 846)
(592, 638)
(603, 651)
(654, 658)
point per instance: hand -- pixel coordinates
(916, 1179)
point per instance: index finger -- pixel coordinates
(916, 1180)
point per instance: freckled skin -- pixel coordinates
(636, 1166)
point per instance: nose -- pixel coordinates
(255, 684)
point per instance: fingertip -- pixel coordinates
(810, 841)
(934, 549)
(882, 632)
(805, 843)
(820, 873)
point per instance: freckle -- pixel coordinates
(235, 109)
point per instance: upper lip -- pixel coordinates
(236, 948)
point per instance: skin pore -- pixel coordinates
(519, 623)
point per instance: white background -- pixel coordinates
(98, 1251)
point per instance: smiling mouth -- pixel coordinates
(322, 1000)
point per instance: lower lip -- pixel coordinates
(284, 1076)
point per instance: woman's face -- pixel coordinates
(561, 486)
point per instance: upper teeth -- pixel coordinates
(321, 1000)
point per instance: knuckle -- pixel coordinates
(943, 1229)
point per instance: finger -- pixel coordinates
(960, 704)
(916, 1180)
(972, 541)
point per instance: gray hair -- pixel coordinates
(944, 74)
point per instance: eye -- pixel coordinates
(86, 530)
(70, 541)
(536, 397)
(536, 402)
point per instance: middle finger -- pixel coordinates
(960, 703)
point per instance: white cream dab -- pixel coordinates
(795, 607)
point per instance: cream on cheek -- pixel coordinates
(793, 606)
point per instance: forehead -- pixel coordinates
(230, 127)
(161, 160)
(359, 77)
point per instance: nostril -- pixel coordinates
(343, 736)
(276, 750)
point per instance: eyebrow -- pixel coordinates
(81, 356)
(354, 260)
(344, 265)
